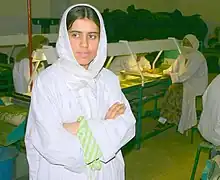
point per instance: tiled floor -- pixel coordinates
(168, 156)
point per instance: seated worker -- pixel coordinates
(21, 69)
(209, 124)
(128, 63)
(189, 75)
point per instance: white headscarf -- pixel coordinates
(66, 57)
(193, 40)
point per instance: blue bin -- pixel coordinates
(7, 162)
(1, 102)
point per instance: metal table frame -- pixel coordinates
(139, 99)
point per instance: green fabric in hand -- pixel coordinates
(91, 149)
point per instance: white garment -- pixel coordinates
(191, 70)
(61, 94)
(128, 63)
(21, 75)
(209, 124)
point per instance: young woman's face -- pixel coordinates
(84, 41)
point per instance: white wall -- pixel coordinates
(208, 9)
(153, 5)
(57, 7)
(13, 15)
(13, 18)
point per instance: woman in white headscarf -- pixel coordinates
(189, 75)
(79, 118)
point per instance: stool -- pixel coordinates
(194, 128)
(202, 146)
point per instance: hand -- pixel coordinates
(115, 110)
(166, 73)
(148, 70)
(71, 127)
(154, 71)
(169, 73)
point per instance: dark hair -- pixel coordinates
(81, 12)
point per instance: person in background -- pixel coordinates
(79, 119)
(21, 69)
(209, 126)
(209, 123)
(189, 75)
(130, 63)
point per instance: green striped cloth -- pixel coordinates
(91, 149)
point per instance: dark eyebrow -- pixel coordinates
(73, 31)
(93, 32)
